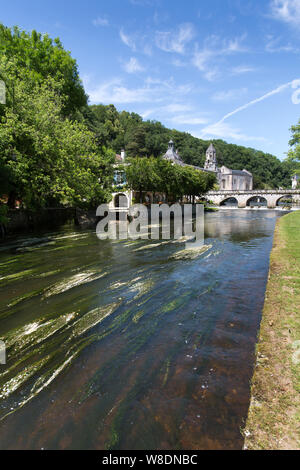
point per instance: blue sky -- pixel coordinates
(224, 69)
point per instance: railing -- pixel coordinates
(255, 191)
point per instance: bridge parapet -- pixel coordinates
(270, 195)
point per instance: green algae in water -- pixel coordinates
(73, 281)
(140, 346)
(17, 276)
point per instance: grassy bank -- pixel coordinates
(274, 415)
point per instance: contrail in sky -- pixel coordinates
(247, 105)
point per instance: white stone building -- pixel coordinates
(230, 180)
(227, 179)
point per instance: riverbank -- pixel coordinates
(274, 415)
(27, 221)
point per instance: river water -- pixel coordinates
(131, 344)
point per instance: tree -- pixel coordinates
(43, 58)
(142, 175)
(294, 153)
(158, 175)
(49, 159)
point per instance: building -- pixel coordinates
(172, 155)
(295, 181)
(232, 180)
(119, 174)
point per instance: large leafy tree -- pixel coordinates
(142, 175)
(42, 58)
(49, 158)
(151, 174)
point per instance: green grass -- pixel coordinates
(274, 415)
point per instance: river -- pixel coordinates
(131, 344)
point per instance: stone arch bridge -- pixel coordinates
(270, 197)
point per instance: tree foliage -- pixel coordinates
(158, 175)
(293, 158)
(42, 58)
(150, 138)
(46, 157)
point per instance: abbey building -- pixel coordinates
(231, 180)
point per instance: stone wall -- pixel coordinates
(21, 220)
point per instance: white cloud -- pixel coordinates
(148, 113)
(100, 21)
(133, 66)
(127, 40)
(153, 90)
(229, 95)
(189, 119)
(142, 3)
(176, 108)
(167, 109)
(115, 92)
(274, 45)
(286, 10)
(226, 131)
(240, 69)
(170, 85)
(214, 48)
(147, 50)
(86, 80)
(175, 41)
(178, 63)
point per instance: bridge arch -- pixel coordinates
(257, 201)
(229, 201)
(281, 200)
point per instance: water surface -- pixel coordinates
(122, 345)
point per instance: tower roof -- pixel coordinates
(211, 147)
(172, 155)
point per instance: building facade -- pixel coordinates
(230, 180)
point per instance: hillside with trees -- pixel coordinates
(150, 138)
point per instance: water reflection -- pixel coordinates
(115, 345)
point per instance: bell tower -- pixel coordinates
(211, 163)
